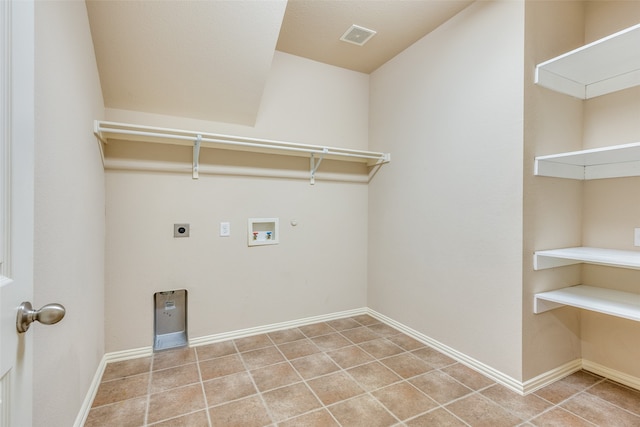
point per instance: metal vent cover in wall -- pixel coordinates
(357, 35)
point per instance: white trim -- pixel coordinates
(118, 356)
(612, 374)
(135, 353)
(91, 394)
(551, 376)
(210, 339)
(108, 131)
(499, 377)
(5, 138)
(5, 400)
(522, 388)
(105, 131)
(225, 170)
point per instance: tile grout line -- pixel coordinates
(246, 367)
(368, 392)
(304, 380)
(180, 364)
(148, 404)
(525, 420)
(584, 390)
(602, 381)
(204, 394)
(401, 378)
(473, 391)
(345, 371)
(175, 417)
(443, 405)
(559, 407)
(440, 406)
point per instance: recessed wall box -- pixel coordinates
(263, 231)
(170, 319)
(180, 230)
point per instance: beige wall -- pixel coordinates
(611, 208)
(441, 240)
(561, 213)
(304, 101)
(552, 206)
(445, 216)
(319, 266)
(69, 212)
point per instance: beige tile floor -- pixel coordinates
(348, 372)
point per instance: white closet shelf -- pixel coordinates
(604, 66)
(607, 301)
(597, 163)
(106, 131)
(568, 256)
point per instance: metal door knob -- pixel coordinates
(47, 315)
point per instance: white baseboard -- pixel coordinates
(210, 339)
(91, 394)
(511, 383)
(612, 374)
(551, 376)
(472, 363)
(135, 353)
(118, 356)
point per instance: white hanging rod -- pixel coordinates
(109, 130)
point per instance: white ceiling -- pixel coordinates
(210, 59)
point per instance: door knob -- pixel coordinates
(48, 315)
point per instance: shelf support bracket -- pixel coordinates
(541, 262)
(101, 141)
(540, 305)
(314, 165)
(196, 156)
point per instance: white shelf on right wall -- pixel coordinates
(601, 300)
(599, 68)
(604, 66)
(607, 301)
(616, 161)
(567, 256)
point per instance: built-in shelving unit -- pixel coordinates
(610, 257)
(607, 301)
(604, 66)
(106, 131)
(609, 162)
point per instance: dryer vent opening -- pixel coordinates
(170, 319)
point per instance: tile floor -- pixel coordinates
(348, 372)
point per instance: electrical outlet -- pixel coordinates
(225, 229)
(636, 237)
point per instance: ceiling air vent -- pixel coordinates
(357, 35)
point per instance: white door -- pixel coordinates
(16, 207)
